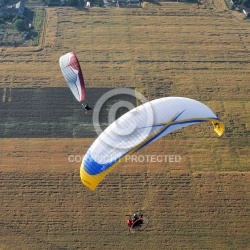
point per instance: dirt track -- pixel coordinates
(201, 202)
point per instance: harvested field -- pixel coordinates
(199, 51)
(53, 211)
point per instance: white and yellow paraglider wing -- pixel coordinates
(169, 114)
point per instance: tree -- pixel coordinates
(99, 3)
(242, 3)
(8, 16)
(72, 2)
(19, 24)
(16, 17)
(246, 3)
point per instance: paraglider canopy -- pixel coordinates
(73, 75)
(138, 128)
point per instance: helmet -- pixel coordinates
(136, 216)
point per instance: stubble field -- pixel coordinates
(167, 49)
